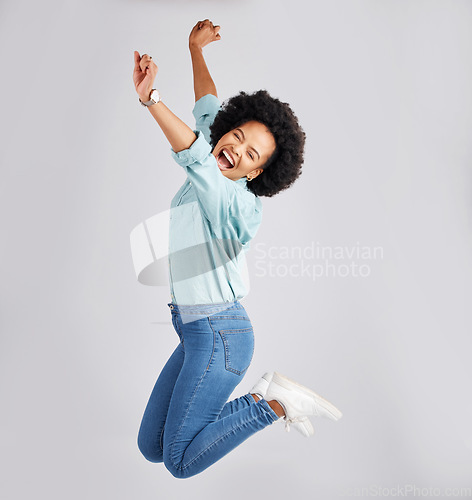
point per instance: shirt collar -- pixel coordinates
(242, 182)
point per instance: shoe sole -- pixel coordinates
(288, 382)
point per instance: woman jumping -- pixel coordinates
(250, 147)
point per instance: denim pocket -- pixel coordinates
(239, 348)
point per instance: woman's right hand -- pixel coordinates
(144, 74)
(203, 33)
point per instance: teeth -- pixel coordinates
(228, 156)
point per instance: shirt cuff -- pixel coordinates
(196, 153)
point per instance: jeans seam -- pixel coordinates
(177, 329)
(190, 402)
(230, 317)
(161, 440)
(218, 440)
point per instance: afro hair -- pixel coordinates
(285, 164)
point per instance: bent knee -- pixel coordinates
(178, 470)
(151, 453)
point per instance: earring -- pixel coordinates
(249, 178)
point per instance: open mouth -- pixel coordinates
(225, 160)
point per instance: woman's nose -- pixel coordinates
(235, 150)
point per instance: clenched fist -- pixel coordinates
(144, 74)
(203, 33)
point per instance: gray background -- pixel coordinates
(382, 89)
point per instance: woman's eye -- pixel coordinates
(251, 156)
(237, 136)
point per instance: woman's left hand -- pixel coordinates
(144, 74)
(203, 33)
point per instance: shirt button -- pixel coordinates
(190, 183)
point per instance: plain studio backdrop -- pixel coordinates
(381, 327)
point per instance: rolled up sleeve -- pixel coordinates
(204, 111)
(214, 191)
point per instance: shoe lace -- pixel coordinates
(292, 420)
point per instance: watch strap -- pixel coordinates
(151, 100)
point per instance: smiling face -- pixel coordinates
(244, 150)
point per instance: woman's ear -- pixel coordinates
(252, 175)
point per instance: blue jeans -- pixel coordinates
(188, 423)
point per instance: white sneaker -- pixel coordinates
(303, 425)
(298, 401)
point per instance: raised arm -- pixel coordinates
(203, 33)
(179, 135)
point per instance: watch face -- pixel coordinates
(154, 96)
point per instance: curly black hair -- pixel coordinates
(285, 165)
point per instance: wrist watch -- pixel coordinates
(154, 98)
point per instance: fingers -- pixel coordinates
(146, 62)
(137, 58)
(195, 28)
(151, 69)
(207, 23)
(203, 33)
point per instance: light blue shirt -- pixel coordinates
(212, 220)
